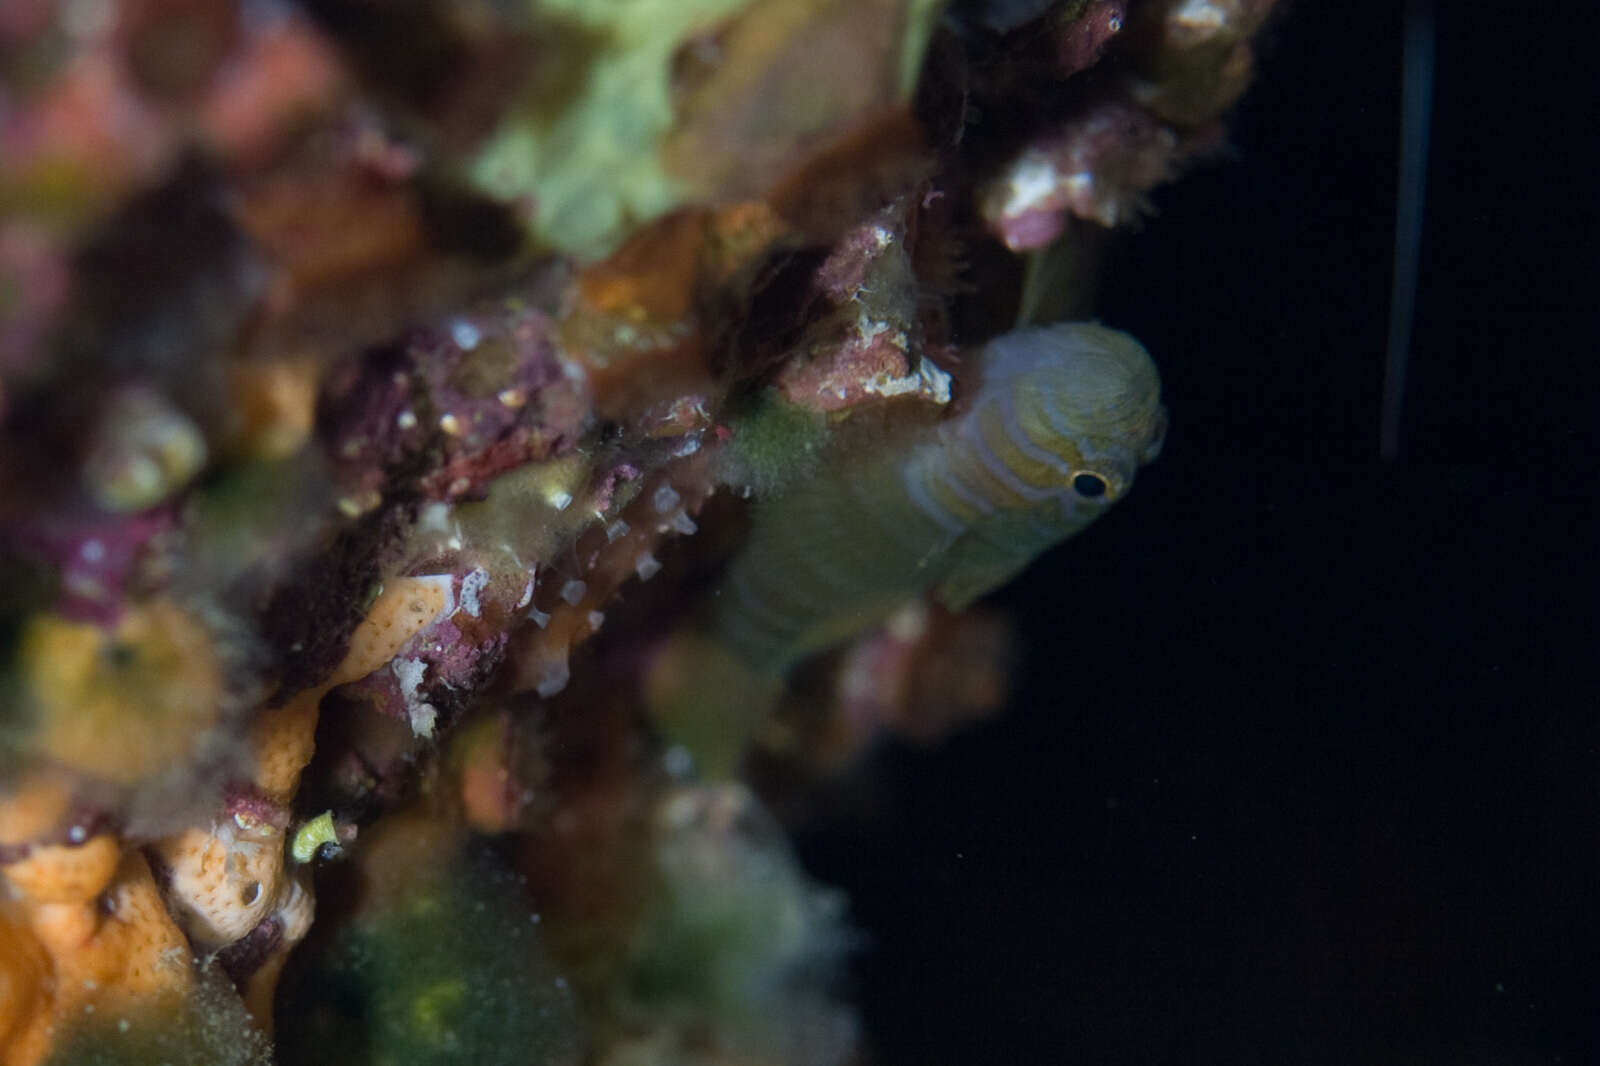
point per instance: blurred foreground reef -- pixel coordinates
(385, 386)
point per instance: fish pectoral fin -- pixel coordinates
(975, 574)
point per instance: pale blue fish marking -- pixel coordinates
(917, 489)
(1026, 445)
(996, 466)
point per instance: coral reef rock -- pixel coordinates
(471, 472)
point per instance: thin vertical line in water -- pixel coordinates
(1416, 111)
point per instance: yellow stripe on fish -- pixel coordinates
(1062, 418)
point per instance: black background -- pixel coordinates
(1304, 763)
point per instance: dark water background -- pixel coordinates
(1305, 763)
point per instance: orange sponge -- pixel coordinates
(89, 927)
(284, 737)
(26, 989)
(63, 873)
(223, 883)
(135, 954)
(88, 930)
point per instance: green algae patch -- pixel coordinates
(775, 444)
(440, 961)
(583, 139)
(636, 107)
(737, 941)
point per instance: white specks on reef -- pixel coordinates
(465, 334)
(422, 714)
(678, 762)
(1201, 17)
(423, 717)
(646, 566)
(573, 591)
(869, 329)
(556, 675)
(665, 499)
(434, 518)
(927, 380)
(356, 506)
(471, 586)
(1032, 183)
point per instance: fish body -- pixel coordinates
(1062, 418)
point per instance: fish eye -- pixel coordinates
(1090, 486)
